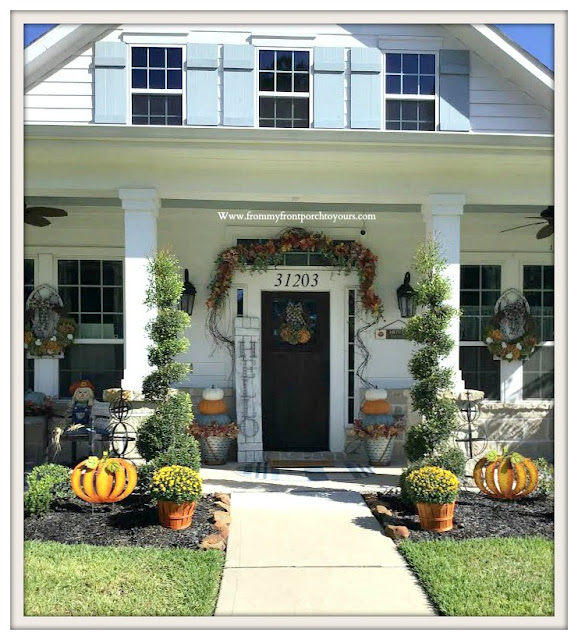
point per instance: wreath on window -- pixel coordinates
(295, 329)
(511, 333)
(47, 333)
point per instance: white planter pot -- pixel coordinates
(379, 450)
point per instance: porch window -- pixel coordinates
(28, 289)
(539, 369)
(350, 356)
(480, 288)
(157, 85)
(284, 89)
(92, 292)
(410, 91)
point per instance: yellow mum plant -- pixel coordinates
(176, 484)
(432, 485)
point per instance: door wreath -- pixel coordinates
(47, 332)
(295, 329)
(511, 333)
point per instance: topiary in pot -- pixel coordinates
(173, 414)
(428, 441)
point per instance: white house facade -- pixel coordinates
(198, 138)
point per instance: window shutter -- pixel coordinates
(238, 85)
(110, 82)
(366, 96)
(202, 82)
(328, 87)
(454, 90)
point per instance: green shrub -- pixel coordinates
(545, 486)
(173, 414)
(48, 485)
(160, 430)
(184, 452)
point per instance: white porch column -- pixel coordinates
(442, 214)
(141, 207)
(46, 369)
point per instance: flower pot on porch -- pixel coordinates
(175, 515)
(214, 449)
(379, 450)
(436, 517)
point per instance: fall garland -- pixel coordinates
(260, 256)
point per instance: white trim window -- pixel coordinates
(284, 88)
(410, 91)
(480, 288)
(538, 282)
(92, 292)
(156, 85)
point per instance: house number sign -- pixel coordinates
(297, 280)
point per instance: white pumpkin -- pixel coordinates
(375, 394)
(214, 393)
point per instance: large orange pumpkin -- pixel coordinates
(506, 476)
(373, 407)
(212, 407)
(103, 479)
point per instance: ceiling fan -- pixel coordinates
(546, 218)
(37, 216)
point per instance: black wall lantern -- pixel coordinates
(188, 295)
(406, 298)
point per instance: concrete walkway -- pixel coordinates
(313, 553)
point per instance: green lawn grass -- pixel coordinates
(84, 580)
(486, 577)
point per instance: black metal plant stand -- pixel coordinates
(469, 413)
(120, 409)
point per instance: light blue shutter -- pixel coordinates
(328, 87)
(202, 98)
(110, 82)
(366, 96)
(454, 90)
(238, 85)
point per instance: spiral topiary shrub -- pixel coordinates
(427, 443)
(173, 415)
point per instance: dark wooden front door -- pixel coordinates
(295, 371)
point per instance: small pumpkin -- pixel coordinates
(374, 407)
(516, 476)
(103, 479)
(378, 418)
(376, 394)
(212, 407)
(213, 393)
(219, 418)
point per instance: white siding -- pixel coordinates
(498, 105)
(65, 96)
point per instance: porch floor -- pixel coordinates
(344, 476)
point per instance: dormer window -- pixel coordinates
(157, 85)
(410, 91)
(284, 89)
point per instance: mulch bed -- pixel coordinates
(130, 523)
(475, 516)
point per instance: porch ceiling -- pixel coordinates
(349, 169)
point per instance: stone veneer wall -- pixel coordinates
(527, 427)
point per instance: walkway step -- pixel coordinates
(313, 553)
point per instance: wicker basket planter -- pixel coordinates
(214, 449)
(379, 450)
